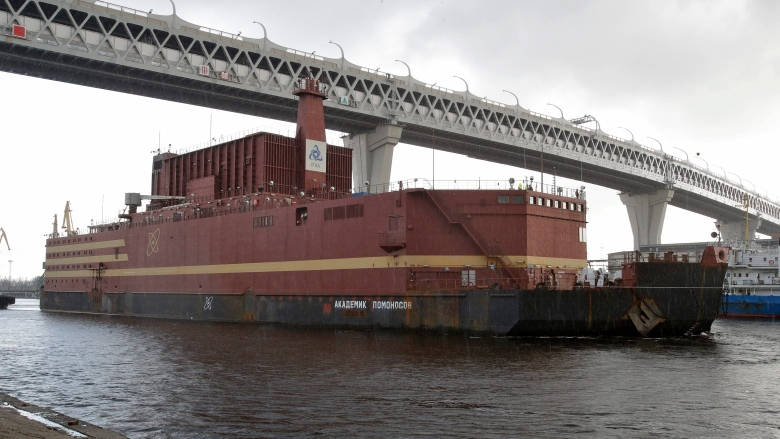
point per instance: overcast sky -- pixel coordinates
(701, 76)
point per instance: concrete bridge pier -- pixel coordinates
(372, 157)
(646, 213)
(735, 230)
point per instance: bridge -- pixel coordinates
(103, 45)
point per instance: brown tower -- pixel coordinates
(310, 136)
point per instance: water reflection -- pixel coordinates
(151, 378)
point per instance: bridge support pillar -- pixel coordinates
(372, 157)
(735, 230)
(646, 213)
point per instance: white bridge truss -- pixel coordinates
(108, 46)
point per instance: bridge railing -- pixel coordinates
(120, 8)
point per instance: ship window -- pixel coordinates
(468, 278)
(579, 208)
(557, 204)
(548, 202)
(532, 200)
(540, 201)
(503, 199)
(583, 235)
(565, 205)
(301, 214)
(517, 199)
(262, 221)
(354, 211)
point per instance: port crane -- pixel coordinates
(2, 237)
(67, 223)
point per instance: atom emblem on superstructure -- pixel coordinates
(315, 154)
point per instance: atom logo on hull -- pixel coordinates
(152, 246)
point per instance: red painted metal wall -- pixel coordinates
(244, 165)
(415, 223)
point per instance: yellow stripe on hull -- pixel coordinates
(323, 265)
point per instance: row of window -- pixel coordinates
(565, 205)
(68, 267)
(758, 275)
(262, 221)
(341, 212)
(514, 199)
(540, 201)
(71, 241)
(78, 253)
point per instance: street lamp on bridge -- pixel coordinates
(658, 142)
(408, 70)
(173, 16)
(265, 33)
(632, 136)
(682, 151)
(341, 51)
(559, 109)
(464, 81)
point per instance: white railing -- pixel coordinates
(479, 184)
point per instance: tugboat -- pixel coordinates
(266, 229)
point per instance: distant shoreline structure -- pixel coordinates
(22, 294)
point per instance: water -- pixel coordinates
(155, 378)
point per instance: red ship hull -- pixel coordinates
(456, 261)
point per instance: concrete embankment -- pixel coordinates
(19, 419)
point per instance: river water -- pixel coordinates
(159, 378)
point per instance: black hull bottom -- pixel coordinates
(654, 312)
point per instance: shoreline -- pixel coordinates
(21, 419)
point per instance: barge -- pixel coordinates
(267, 229)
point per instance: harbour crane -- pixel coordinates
(67, 223)
(2, 237)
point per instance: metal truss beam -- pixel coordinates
(103, 45)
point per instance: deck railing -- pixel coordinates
(479, 184)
